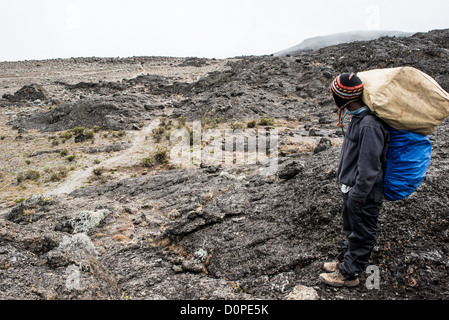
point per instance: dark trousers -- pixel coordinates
(360, 228)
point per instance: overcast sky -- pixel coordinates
(45, 29)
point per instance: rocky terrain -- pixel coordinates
(93, 204)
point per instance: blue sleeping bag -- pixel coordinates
(408, 159)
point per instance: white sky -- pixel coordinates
(45, 29)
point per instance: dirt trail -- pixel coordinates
(142, 145)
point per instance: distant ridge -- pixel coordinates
(317, 43)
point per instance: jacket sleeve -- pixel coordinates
(369, 164)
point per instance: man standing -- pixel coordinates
(361, 170)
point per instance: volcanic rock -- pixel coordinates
(30, 92)
(214, 232)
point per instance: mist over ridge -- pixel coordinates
(316, 43)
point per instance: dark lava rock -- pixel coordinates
(257, 79)
(249, 88)
(30, 92)
(316, 133)
(323, 145)
(291, 170)
(80, 138)
(33, 209)
(114, 113)
(194, 62)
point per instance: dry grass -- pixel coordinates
(172, 247)
(120, 238)
(23, 173)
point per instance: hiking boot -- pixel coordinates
(336, 279)
(331, 266)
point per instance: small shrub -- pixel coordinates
(66, 135)
(267, 121)
(118, 134)
(98, 171)
(19, 200)
(190, 136)
(209, 121)
(96, 128)
(89, 134)
(237, 125)
(181, 122)
(78, 130)
(70, 158)
(62, 172)
(158, 133)
(159, 130)
(32, 175)
(252, 124)
(64, 153)
(96, 161)
(148, 162)
(28, 175)
(55, 177)
(55, 143)
(161, 156)
(20, 178)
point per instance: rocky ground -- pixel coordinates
(94, 205)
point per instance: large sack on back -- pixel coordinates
(405, 98)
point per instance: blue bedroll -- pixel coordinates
(408, 159)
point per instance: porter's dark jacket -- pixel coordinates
(363, 154)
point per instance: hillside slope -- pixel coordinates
(316, 43)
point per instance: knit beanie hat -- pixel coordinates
(346, 88)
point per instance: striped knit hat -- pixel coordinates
(346, 88)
